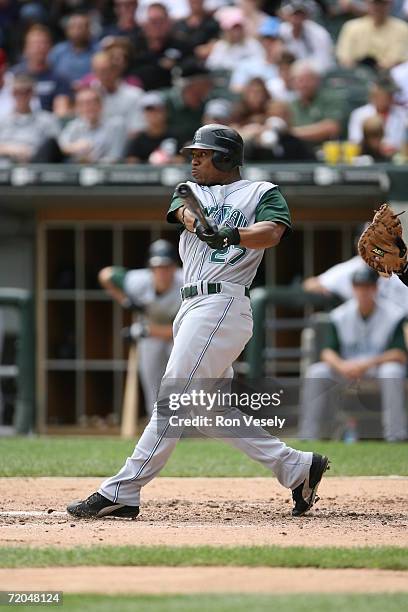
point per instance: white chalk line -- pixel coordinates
(32, 514)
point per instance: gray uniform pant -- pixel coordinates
(210, 332)
(153, 357)
(322, 384)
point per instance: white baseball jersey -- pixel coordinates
(139, 287)
(338, 280)
(360, 337)
(237, 204)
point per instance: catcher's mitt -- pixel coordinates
(381, 244)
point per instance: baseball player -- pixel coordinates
(338, 280)
(155, 291)
(365, 340)
(214, 322)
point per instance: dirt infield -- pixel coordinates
(109, 580)
(216, 511)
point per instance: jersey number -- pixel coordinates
(220, 256)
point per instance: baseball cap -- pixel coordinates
(295, 6)
(218, 108)
(161, 253)
(270, 28)
(365, 276)
(153, 98)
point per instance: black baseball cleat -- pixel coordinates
(304, 495)
(98, 506)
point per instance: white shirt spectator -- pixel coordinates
(107, 139)
(338, 280)
(394, 126)
(278, 90)
(251, 68)
(125, 102)
(30, 129)
(6, 97)
(400, 75)
(315, 44)
(225, 56)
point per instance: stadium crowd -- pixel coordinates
(127, 80)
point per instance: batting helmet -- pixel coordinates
(226, 143)
(161, 253)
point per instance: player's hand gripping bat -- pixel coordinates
(193, 204)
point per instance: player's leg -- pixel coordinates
(197, 352)
(153, 357)
(394, 417)
(319, 383)
(289, 465)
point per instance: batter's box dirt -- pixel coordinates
(213, 511)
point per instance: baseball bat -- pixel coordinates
(184, 191)
(130, 406)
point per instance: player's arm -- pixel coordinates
(262, 235)
(162, 331)
(313, 285)
(185, 217)
(111, 279)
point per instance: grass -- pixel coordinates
(381, 557)
(96, 456)
(363, 602)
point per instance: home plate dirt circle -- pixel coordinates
(214, 511)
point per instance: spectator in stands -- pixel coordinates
(90, 137)
(235, 46)
(400, 75)
(256, 12)
(340, 11)
(156, 144)
(376, 39)
(372, 143)
(120, 50)
(157, 50)
(6, 87)
(199, 29)
(126, 24)
(365, 340)
(177, 9)
(218, 110)
(186, 100)
(252, 109)
(266, 67)
(71, 59)
(281, 86)
(318, 114)
(305, 38)
(52, 91)
(23, 131)
(381, 104)
(119, 98)
(274, 141)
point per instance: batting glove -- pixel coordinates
(222, 238)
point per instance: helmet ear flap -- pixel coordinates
(223, 161)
